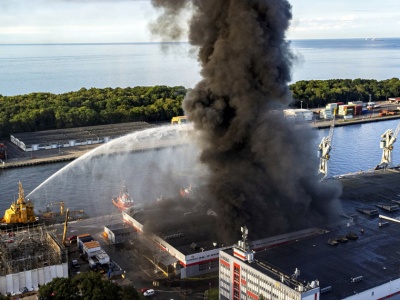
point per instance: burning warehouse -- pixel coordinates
(260, 168)
(190, 247)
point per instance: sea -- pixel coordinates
(90, 185)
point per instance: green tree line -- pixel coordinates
(87, 107)
(318, 93)
(87, 286)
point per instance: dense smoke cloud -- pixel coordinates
(262, 167)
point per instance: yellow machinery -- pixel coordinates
(61, 203)
(65, 228)
(20, 212)
(49, 214)
(179, 120)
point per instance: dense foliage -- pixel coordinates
(87, 286)
(318, 93)
(86, 107)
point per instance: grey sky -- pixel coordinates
(91, 21)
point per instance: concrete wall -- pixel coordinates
(15, 283)
(387, 290)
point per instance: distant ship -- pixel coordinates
(124, 200)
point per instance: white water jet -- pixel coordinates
(149, 139)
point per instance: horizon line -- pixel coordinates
(177, 42)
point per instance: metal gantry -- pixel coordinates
(324, 150)
(388, 139)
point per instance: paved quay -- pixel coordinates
(321, 124)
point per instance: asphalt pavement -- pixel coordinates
(135, 260)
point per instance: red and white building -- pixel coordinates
(242, 277)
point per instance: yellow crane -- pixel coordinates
(65, 228)
(61, 203)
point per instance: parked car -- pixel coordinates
(148, 293)
(75, 263)
(72, 238)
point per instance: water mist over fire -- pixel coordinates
(262, 167)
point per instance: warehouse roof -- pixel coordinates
(368, 258)
(80, 133)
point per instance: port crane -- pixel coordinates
(65, 228)
(388, 139)
(60, 203)
(324, 149)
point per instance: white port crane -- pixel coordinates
(388, 139)
(324, 149)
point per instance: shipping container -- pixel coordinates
(358, 110)
(89, 248)
(346, 110)
(326, 114)
(83, 239)
(298, 114)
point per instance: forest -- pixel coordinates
(95, 106)
(87, 107)
(317, 93)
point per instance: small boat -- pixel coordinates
(185, 192)
(124, 200)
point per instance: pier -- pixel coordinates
(20, 158)
(40, 157)
(321, 124)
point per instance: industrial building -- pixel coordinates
(356, 259)
(30, 257)
(119, 233)
(243, 277)
(186, 251)
(186, 245)
(70, 137)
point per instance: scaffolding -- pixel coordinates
(23, 249)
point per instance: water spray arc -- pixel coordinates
(163, 136)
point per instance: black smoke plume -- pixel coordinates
(262, 167)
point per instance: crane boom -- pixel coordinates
(396, 132)
(65, 228)
(389, 218)
(61, 203)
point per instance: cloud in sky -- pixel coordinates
(96, 21)
(344, 19)
(48, 21)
